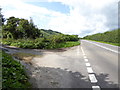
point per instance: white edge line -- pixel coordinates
(104, 47)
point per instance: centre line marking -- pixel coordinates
(86, 60)
(92, 78)
(87, 64)
(85, 57)
(95, 87)
(83, 54)
(89, 69)
(82, 50)
(78, 52)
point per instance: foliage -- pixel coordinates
(20, 28)
(40, 43)
(24, 34)
(71, 37)
(13, 73)
(46, 33)
(69, 44)
(109, 36)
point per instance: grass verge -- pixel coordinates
(69, 44)
(115, 44)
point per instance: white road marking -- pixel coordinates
(86, 59)
(89, 69)
(92, 78)
(33, 75)
(105, 43)
(95, 87)
(104, 47)
(87, 64)
(78, 50)
(67, 70)
(82, 51)
(83, 54)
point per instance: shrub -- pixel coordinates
(13, 73)
(50, 42)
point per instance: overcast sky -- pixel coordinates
(81, 17)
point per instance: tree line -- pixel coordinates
(16, 28)
(16, 31)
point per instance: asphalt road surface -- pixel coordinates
(103, 59)
(89, 65)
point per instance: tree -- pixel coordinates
(2, 19)
(11, 25)
(20, 28)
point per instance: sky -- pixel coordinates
(80, 17)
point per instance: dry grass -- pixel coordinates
(27, 57)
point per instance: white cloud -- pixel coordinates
(85, 17)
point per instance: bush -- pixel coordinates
(13, 73)
(50, 42)
(7, 41)
(39, 43)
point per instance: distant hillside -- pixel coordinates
(49, 32)
(109, 36)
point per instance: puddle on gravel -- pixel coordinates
(27, 57)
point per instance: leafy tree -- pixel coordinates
(27, 35)
(2, 19)
(20, 28)
(11, 25)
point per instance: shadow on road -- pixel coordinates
(46, 77)
(104, 82)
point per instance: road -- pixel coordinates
(104, 62)
(89, 65)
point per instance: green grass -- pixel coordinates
(71, 44)
(39, 43)
(13, 74)
(115, 44)
(63, 45)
